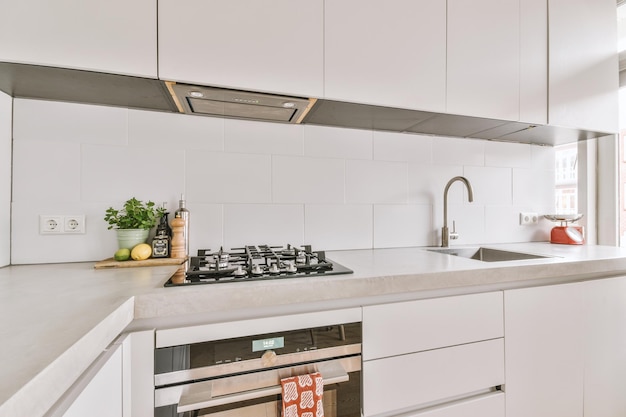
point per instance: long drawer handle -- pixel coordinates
(332, 373)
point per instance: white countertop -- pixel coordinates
(55, 319)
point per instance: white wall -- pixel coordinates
(253, 183)
(6, 115)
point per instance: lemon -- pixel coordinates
(141, 251)
(122, 255)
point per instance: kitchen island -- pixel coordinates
(57, 318)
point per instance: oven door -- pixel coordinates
(258, 393)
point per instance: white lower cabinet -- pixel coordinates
(409, 381)
(565, 348)
(605, 347)
(486, 405)
(98, 393)
(119, 383)
(434, 357)
(543, 349)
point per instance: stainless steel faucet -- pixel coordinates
(445, 233)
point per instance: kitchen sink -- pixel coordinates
(487, 254)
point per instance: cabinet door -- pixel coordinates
(114, 36)
(6, 118)
(138, 373)
(414, 326)
(543, 350)
(99, 391)
(272, 45)
(487, 405)
(533, 100)
(390, 53)
(605, 347)
(583, 83)
(418, 379)
(483, 58)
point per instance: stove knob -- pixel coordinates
(274, 269)
(268, 358)
(256, 270)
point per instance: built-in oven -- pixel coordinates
(241, 376)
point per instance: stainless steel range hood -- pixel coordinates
(79, 86)
(221, 102)
(370, 117)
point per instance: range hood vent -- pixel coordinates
(220, 102)
(88, 87)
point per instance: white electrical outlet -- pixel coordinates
(74, 224)
(50, 224)
(526, 218)
(57, 224)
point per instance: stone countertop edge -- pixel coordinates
(41, 393)
(134, 298)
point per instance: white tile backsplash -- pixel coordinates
(69, 122)
(490, 185)
(6, 113)
(28, 246)
(470, 223)
(376, 182)
(392, 146)
(532, 187)
(46, 171)
(254, 183)
(148, 128)
(112, 173)
(542, 157)
(264, 138)
(207, 220)
(455, 151)
(214, 177)
(258, 224)
(308, 180)
(502, 222)
(427, 183)
(402, 225)
(513, 155)
(338, 227)
(332, 142)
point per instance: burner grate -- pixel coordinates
(253, 263)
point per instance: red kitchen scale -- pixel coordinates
(566, 234)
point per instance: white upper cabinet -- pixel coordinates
(114, 36)
(483, 58)
(584, 78)
(533, 91)
(271, 46)
(390, 53)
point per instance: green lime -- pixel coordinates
(122, 255)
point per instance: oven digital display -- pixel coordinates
(265, 344)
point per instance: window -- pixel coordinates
(566, 181)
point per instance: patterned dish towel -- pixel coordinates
(302, 395)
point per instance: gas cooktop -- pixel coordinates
(254, 263)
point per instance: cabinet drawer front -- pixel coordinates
(414, 326)
(488, 405)
(410, 380)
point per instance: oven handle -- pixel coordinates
(195, 399)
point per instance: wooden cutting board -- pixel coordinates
(112, 263)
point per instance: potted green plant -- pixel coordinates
(133, 221)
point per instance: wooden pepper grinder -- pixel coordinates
(178, 238)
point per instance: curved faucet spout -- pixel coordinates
(445, 234)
